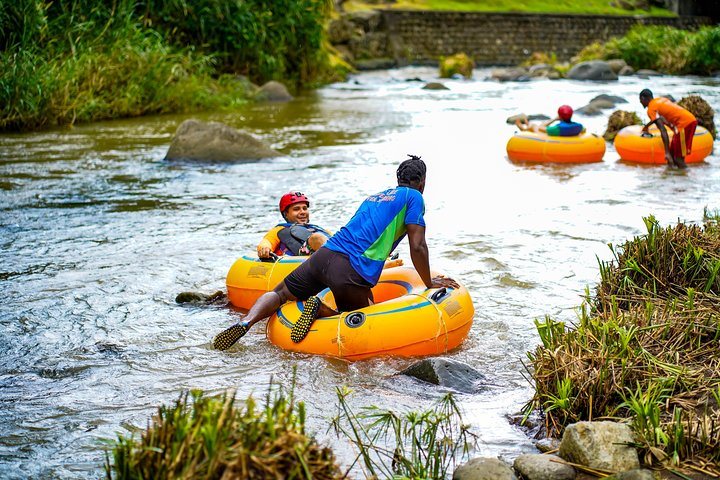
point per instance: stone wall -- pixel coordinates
(407, 36)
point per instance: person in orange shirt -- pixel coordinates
(664, 112)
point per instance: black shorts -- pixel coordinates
(327, 268)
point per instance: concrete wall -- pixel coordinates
(489, 38)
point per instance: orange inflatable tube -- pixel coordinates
(540, 147)
(407, 320)
(249, 277)
(633, 147)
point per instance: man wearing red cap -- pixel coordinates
(560, 126)
(664, 112)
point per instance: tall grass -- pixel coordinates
(282, 39)
(646, 347)
(82, 60)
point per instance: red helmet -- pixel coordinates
(291, 198)
(565, 113)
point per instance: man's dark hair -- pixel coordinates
(646, 93)
(411, 171)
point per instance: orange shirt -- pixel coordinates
(673, 112)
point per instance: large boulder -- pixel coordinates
(213, 141)
(510, 74)
(273, 91)
(600, 446)
(592, 70)
(484, 469)
(535, 466)
(435, 86)
(447, 373)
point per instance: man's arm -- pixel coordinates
(666, 141)
(421, 258)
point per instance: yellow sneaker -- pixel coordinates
(307, 317)
(227, 338)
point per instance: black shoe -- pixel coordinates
(307, 317)
(227, 338)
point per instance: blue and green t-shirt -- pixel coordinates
(564, 129)
(376, 229)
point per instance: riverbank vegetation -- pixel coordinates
(665, 49)
(598, 7)
(211, 437)
(646, 348)
(214, 437)
(82, 61)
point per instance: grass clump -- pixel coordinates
(646, 348)
(415, 445)
(210, 437)
(618, 120)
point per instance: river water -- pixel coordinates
(99, 234)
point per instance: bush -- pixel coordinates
(704, 51)
(653, 47)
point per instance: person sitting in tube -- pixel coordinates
(296, 235)
(560, 126)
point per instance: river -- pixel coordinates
(99, 234)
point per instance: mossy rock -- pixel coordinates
(459, 63)
(702, 110)
(618, 120)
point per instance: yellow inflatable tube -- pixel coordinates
(249, 277)
(540, 147)
(633, 147)
(407, 320)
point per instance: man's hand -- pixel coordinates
(441, 281)
(263, 251)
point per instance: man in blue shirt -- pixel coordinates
(351, 261)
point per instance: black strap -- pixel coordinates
(295, 236)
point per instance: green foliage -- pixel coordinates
(662, 48)
(415, 445)
(704, 51)
(209, 437)
(278, 40)
(654, 47)
(83, 60)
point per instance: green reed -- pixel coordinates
(412, 445)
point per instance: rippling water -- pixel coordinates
(99, 234)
